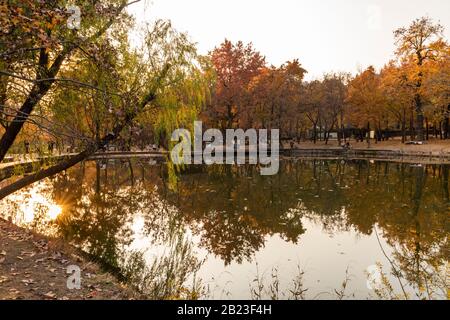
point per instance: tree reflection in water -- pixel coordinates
(231, 212)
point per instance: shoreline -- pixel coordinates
(35, 267)
(432, 152)
(376, 155)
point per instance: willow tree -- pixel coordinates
(38, 39)
(423, 40)
(163, 73)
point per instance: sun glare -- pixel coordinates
(37, 202)
(54, 211)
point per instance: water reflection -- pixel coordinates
(127, 214)
(34, 208)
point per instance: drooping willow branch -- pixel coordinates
(93, 147)
(41, 88)
(67, 80)
(53, 128)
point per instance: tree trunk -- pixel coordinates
(418, 99)
(447, 123)
(404, 126)
(315, 133)
(419, 118)
(38, 90)
(403, 132)
(411, 126)
(16, 125)
(320, 132)
(230, 117)
(42, 174)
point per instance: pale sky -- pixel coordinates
(325, 35)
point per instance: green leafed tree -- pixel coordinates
(94, 86)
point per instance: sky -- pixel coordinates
(325, 35)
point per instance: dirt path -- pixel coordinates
(34, 267)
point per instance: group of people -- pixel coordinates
(50, 147)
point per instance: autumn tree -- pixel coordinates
(37, 41)
(423, 40)
(334, 86)
(366, 101)
(276, 95)
(312, 106)
(124, 83)
(398, 90)
(436, 89)
(235, 66)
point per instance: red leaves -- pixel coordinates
(236, 65)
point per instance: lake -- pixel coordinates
(320, 229)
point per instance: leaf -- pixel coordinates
(50, 295)
(27, 281)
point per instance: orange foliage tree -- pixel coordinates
(366, 101)
(235, 65)
(422, 40)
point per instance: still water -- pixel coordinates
(320, 229)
